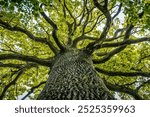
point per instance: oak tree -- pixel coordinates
(75, 49)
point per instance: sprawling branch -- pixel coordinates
(73, 25)
(118, 33)
(74, 19)
(91, 47)
(94, 25)
(142, 58)
(57, 40)
(123, 89)
(117, 50)
(11, 65)
(106, 28)
(127, 74)
(102, 8)
(10, 84)
(29, 34)
(119, 9)
(55, 28)
(70, 32)
(83, 37)
(32, 89)
(125, 42)
(86, 21)
(104, 33)
(128, 31)
(107, 25)
(26, 58)
(13, 82)
(144, 83)
(109, 55)
(101, 53)
(112, 39)
(49, 20)
(83, 14)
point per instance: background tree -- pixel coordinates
(48, 38)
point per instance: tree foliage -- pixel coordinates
(115, 32)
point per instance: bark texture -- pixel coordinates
(73, 77)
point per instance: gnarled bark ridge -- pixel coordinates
(73, 77)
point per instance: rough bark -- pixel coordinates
(73, 77)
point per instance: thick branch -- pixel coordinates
(144, 83)
(82, 37)
(11, 65)
(28, 33)
(128, 32)
(82, 13)
(85, 23)
(142, 58)
(122, 89)
(15, 28)
(49, 20)
(105, 11)
(26, 58)
(70, 33)
(57, 40)
(96, 22)
(118, 34)
(127, 74)
(32, 89)
(113, 38)
(109, 55)
(91, 47)
(119, 9)
(125, 42)
(74, 19)
(86, 20)
(11, 83)
(120, 30)
(102, 8)
(55, 28)
(104, 33)
(101, 53)
(117, 50)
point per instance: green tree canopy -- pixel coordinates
(115, 32)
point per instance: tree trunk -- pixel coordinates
(73, 77)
